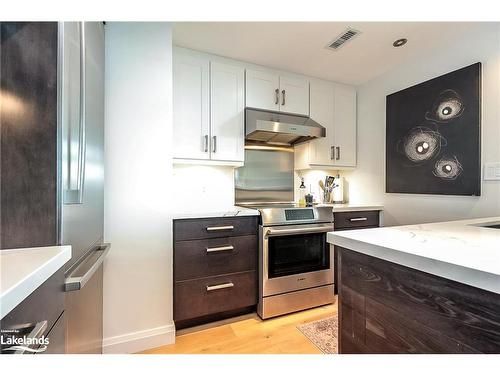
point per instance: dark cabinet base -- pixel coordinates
(388, 308)
(215, 269)
(194, 298)
(44, 307)
(348, 221)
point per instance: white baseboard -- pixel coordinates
(140, 340)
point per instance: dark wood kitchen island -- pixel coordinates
(432, 288)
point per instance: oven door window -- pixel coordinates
(290, 255)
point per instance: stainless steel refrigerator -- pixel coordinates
(52, 157)
(81, 119)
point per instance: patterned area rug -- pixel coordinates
(322, 333)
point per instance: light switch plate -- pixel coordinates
(492, 171)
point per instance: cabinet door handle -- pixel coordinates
(358, 219)
(221, 248)
(332, 152)
(214, 144)
(225, 227)
(283, 93)
(205, 143)
(219, 286)
(337, 149)
(277, 96)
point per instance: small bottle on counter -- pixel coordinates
(309, 200)
(302, 193)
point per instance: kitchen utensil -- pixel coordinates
(330, 181)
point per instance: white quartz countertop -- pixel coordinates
(457, 250)
(349, 207)
(230, 212)
(24, 270)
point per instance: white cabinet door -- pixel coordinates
(268, 90)
(322, 111)
(227, 93)
(191, 106)
(344, 137)
(294, 95)
(262, 90)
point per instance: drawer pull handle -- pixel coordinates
(220, 286)
(221, 248)
(36, 333)
(226, 227)
(358, 219)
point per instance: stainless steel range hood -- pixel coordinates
(281, 128)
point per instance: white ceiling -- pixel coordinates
(300, 46)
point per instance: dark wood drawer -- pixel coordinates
(46, 303)
(210, 295)
(356, 219)
(193, 229)
(215, 256)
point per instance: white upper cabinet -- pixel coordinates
(209, 104)
(294, 95)
(262, 90)
(191, 80)
(344, 130)
(334, 107)
(321, 150)
(227, 94)
(277, 92)
(210, 96)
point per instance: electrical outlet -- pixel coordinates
(492, 171)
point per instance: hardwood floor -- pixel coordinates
(249, 335)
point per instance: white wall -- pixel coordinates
(367, 182)
(137, 222)
(202, 188)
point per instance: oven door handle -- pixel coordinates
(290, 231)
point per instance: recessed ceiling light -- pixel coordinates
(400, 42)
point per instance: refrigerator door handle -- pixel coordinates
(84, 271)
(73, 191)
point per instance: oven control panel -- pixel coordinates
(302, 214)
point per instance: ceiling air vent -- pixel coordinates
(346, 36)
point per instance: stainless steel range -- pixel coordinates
(295, 261)
(296, 265)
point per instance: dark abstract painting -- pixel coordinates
(433, 136)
